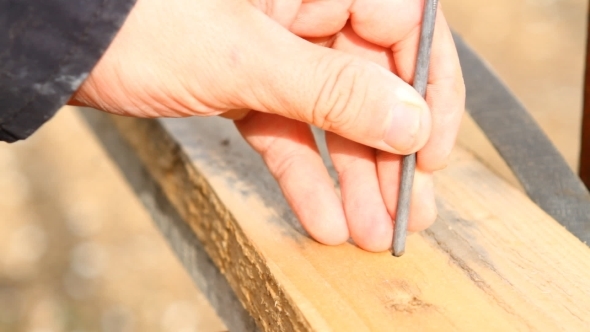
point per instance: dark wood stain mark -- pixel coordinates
(455, 236)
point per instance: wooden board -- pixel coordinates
(492, 261)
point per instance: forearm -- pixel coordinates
(46, 51)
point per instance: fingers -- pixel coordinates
(369, 182)
(290, 153)
(367, 217)
(423, 209)
(339, 92)
(396, 25)
(369, 224)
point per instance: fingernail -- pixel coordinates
(405, 124)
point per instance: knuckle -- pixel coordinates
(284, 163)
(347, 166)
(342, 96)
(279, 159)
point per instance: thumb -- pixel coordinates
(335, 91)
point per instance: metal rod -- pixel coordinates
(409, 162)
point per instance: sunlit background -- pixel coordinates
(79, 253)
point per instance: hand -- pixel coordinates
(339, 65)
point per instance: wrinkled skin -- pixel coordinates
(341, 65)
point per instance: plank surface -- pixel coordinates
(492, 261)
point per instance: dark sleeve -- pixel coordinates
(47, 48)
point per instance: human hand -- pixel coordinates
(199, 57)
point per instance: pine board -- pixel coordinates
(492, 261)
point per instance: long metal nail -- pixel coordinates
(409, 162)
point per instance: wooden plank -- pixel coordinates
(493, 260)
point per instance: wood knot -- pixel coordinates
(408, 305)
(403, 297)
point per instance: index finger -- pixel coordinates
(396, 25)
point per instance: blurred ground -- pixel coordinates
(77, 250)
(538, 48)
(79, 253)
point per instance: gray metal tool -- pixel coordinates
(409, 162)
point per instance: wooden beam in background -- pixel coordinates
(492, 262)
(584, 168)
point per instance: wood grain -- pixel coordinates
(493, 261)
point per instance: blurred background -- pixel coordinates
(79, 253)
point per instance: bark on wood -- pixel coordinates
(492, 261)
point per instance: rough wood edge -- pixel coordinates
(227, 246)
(178, 234)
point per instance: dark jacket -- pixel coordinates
(47, 49)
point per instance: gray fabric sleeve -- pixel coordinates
(47, 49)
